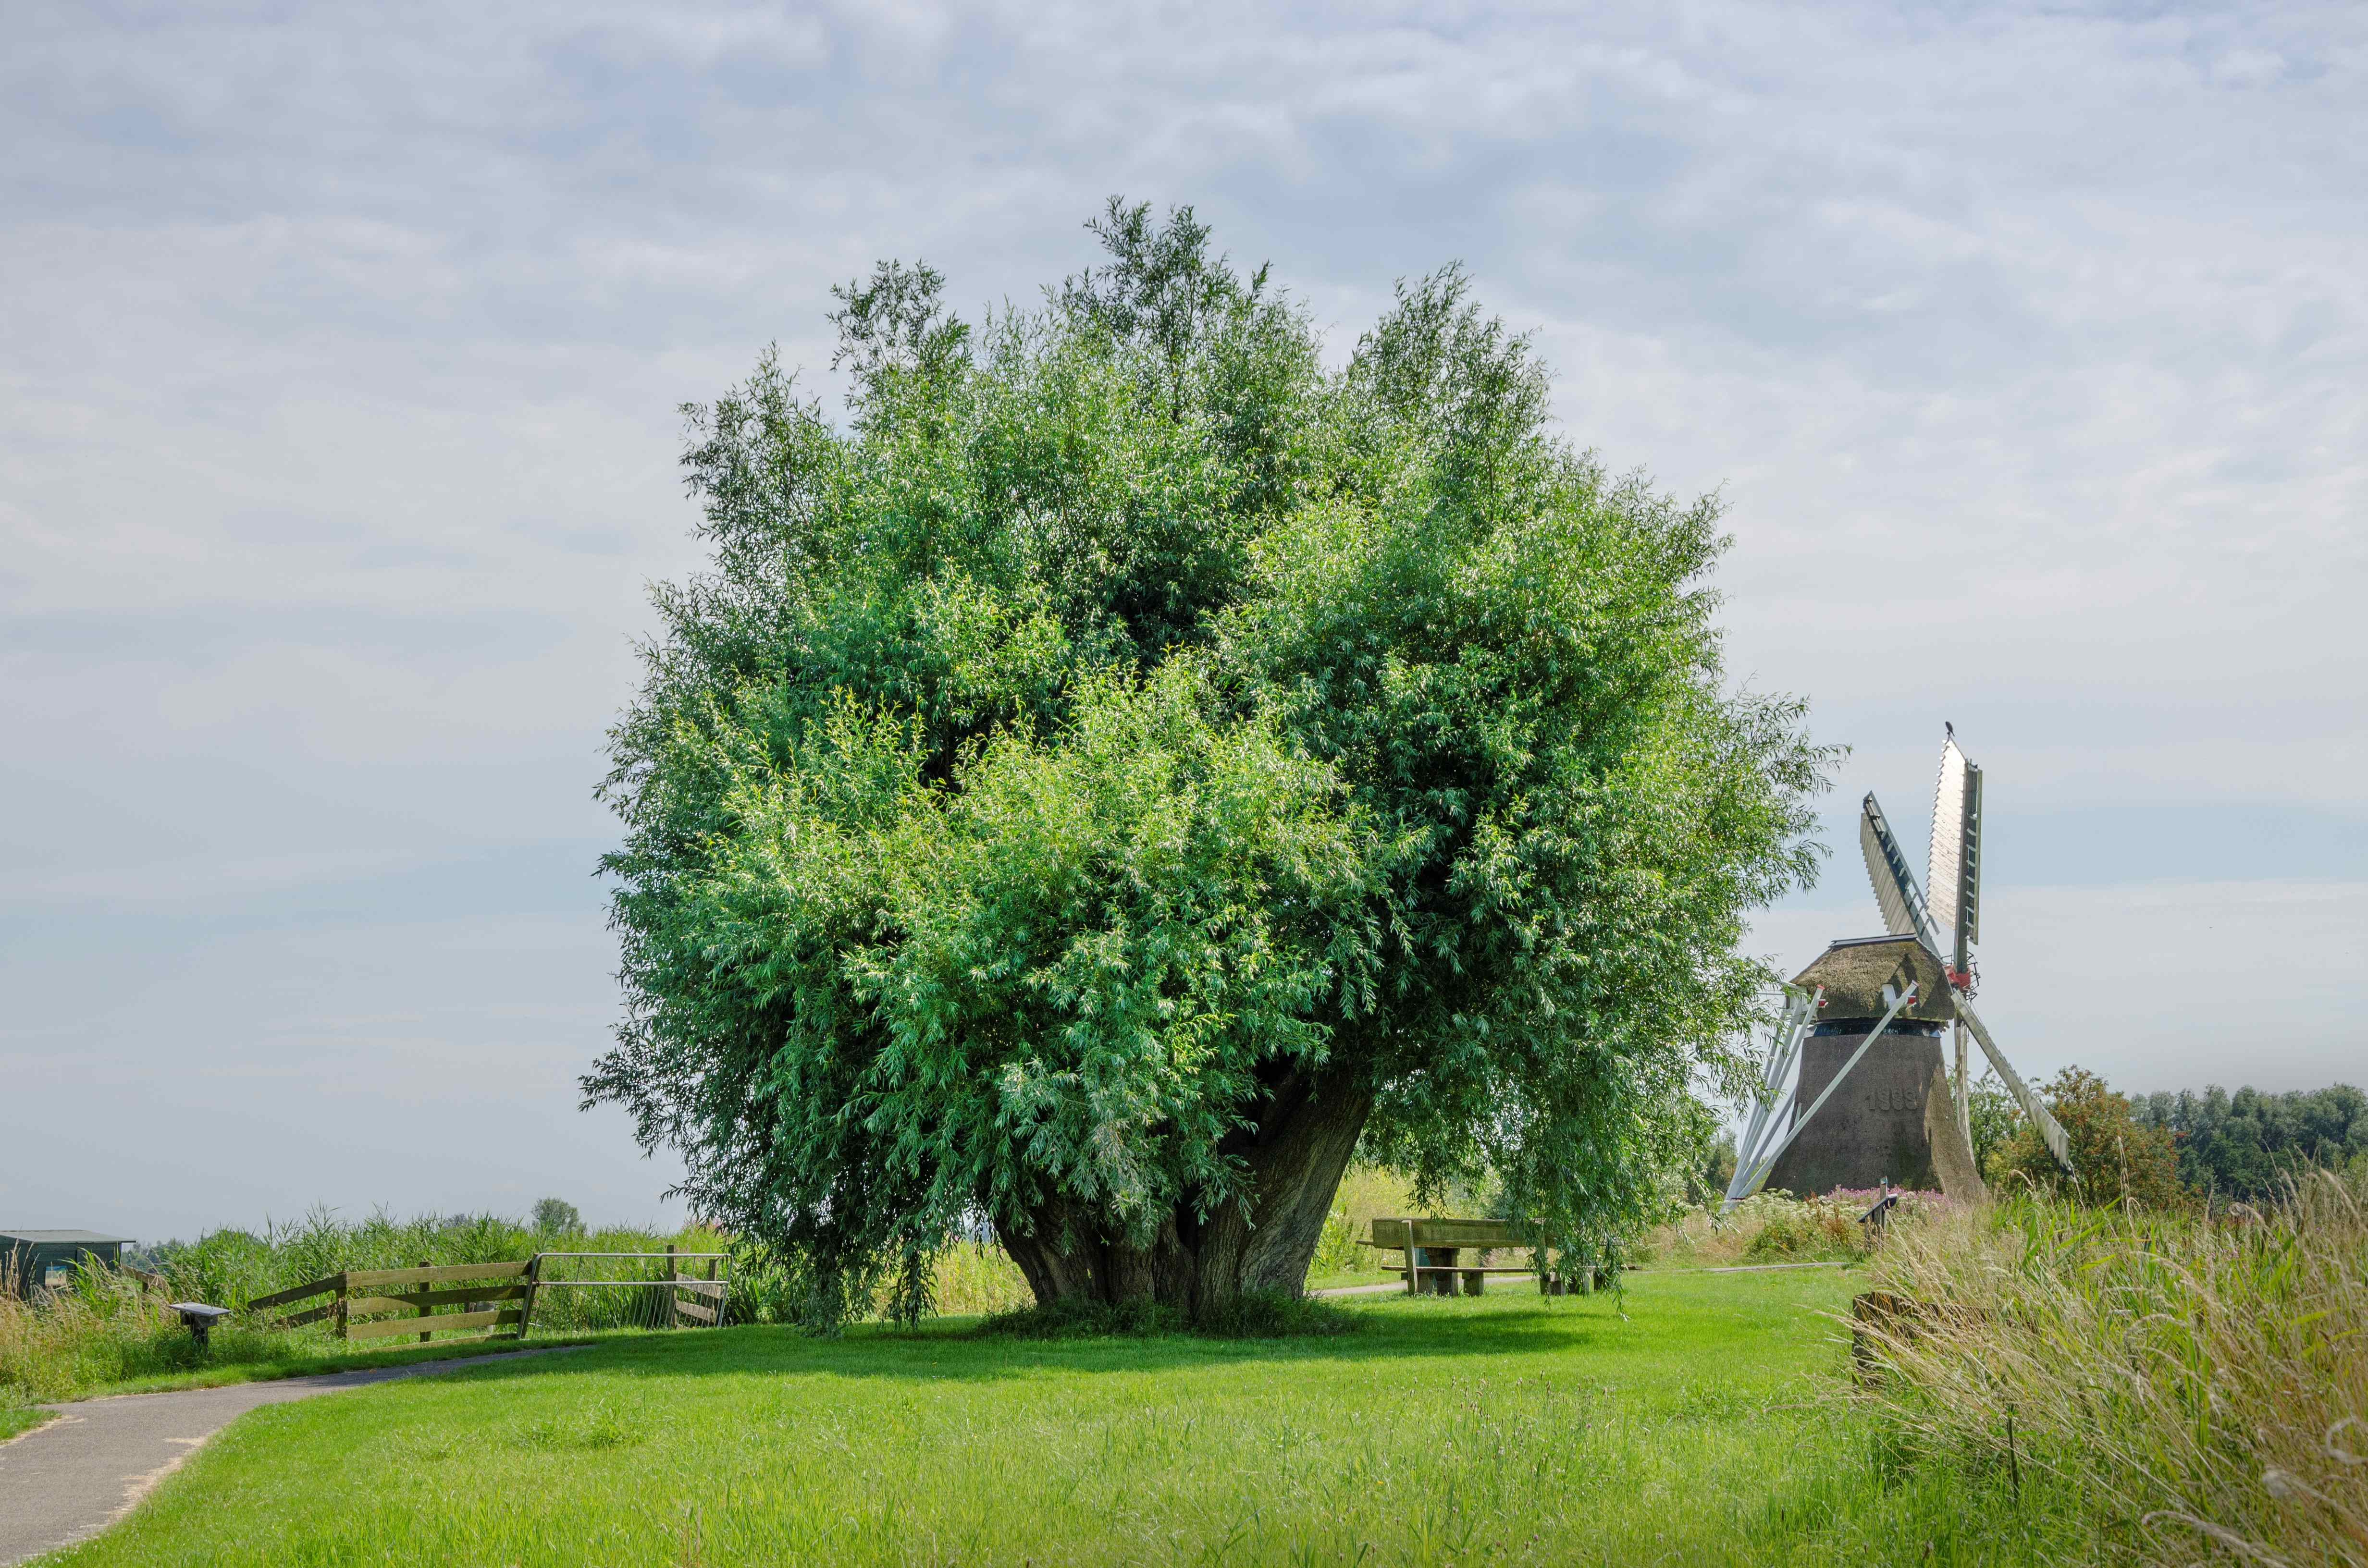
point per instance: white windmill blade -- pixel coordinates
(2051, 1131)
(1943, 861)
(1903, 911)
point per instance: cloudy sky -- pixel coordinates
(339, 363)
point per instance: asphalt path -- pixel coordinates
(69, 1479)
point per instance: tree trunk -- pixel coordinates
(1307, 1130)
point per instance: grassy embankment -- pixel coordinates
(1683, 1424)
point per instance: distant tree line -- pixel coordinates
(2169, 1148)
(2246, 1145)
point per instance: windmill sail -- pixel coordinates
(2051, 1131)
(1903, 911)
(1906, 913)
(1969, 867)
(1948, 845)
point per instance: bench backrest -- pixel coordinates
(1402, 1233)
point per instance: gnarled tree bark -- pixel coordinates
(1306, 1127)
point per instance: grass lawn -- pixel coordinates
(1363, 1277)
(1507, 1428)
(300, 1358)
(303, 1358)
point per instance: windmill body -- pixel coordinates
(1894, 1116)
(1854, 1088)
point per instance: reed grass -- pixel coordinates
(2200, 1382)
(975, 1279)
(110, 1329)
(1776, 1227)
(107, 1330)
(232, 1267)
(103, 1327)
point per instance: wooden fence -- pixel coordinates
(680, 1296)
(360, 1299)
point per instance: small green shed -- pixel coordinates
(27, 1257)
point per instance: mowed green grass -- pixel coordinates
(1683, 1424)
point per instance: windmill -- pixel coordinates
(1870, 1011)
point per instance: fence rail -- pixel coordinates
(357, 1297)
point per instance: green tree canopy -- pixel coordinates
(1128, 763)
(2251, 1144)
(2116, 1157)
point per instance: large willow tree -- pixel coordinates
(1127, 764)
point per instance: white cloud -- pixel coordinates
(338, 389)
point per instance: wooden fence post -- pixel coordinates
(673, 1272)
(343, 1296)
(425, 1310)
(525, 1311)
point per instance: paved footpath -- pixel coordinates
(84, 1470)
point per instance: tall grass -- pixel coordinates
(1365, 1193)
(2202, 1382)
(107, 1327)
(1776, 1227)
(975, 1280)
(968, 1279)
(232, 1267)
(102, 1327)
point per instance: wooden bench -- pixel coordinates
(1434, 1256)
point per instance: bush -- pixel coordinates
(1995, 1116)
(1773, 1227)
(1718, 1169)
(109, 1326)
(970, 1279)
(1338, 1250)
(2115, 1158)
